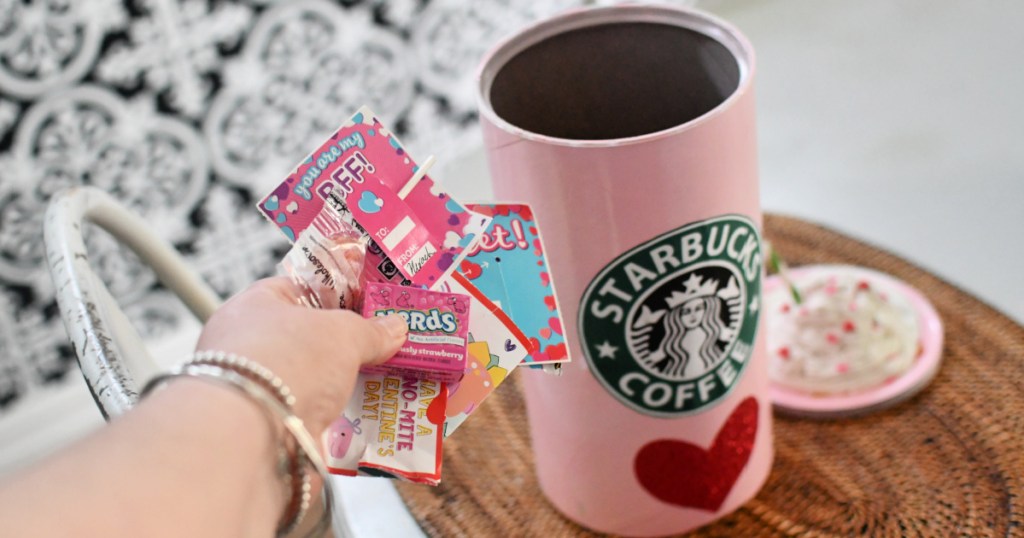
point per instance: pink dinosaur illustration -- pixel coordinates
(345, 442)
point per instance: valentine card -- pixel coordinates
(508, 266)
(496, 347)
(419, 227)
(391, 428)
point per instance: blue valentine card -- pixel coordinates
(508, 265)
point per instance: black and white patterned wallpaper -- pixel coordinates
(188, 111)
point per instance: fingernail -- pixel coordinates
(394, 324)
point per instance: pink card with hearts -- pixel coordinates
(496, 347)
(417, 225)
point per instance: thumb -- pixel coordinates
(377, 339)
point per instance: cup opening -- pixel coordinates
(610, 76)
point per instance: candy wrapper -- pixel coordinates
(391, 428)
(438, 327)
(326, 263)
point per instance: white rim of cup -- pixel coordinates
(721, 31)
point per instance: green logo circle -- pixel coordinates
(669, 326)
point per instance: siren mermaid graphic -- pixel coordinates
(695, 326)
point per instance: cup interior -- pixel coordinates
(614, 80)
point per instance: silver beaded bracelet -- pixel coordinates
(256, 370)
(293, 424)
(300, 485)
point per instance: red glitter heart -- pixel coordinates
(684, 474)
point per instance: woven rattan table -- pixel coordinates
(949, 462)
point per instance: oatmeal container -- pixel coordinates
(630, 130)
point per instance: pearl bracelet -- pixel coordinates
(301, 491)
(259, 393)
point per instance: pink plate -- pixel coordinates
(792, 402)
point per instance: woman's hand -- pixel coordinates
(197, 459)
(317, 353)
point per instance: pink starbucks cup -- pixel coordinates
(630, 131)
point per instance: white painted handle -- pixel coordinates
(110, 352)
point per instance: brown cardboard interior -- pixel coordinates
(614, 81)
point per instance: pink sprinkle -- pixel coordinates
(842, 367)
(863, 285)
(784, 353)
(832, 338)
(785, 308)
(853, 306)
(849, 327)
(804, 311)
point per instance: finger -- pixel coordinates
(373, 340)
(281, 288)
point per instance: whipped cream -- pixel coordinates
(848, 334)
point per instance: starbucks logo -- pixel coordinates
(669, 326)
(684, 326)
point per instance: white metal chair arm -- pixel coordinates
(110, 352)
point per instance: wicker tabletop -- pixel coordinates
(950, 461)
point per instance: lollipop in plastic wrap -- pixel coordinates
(326, 263)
